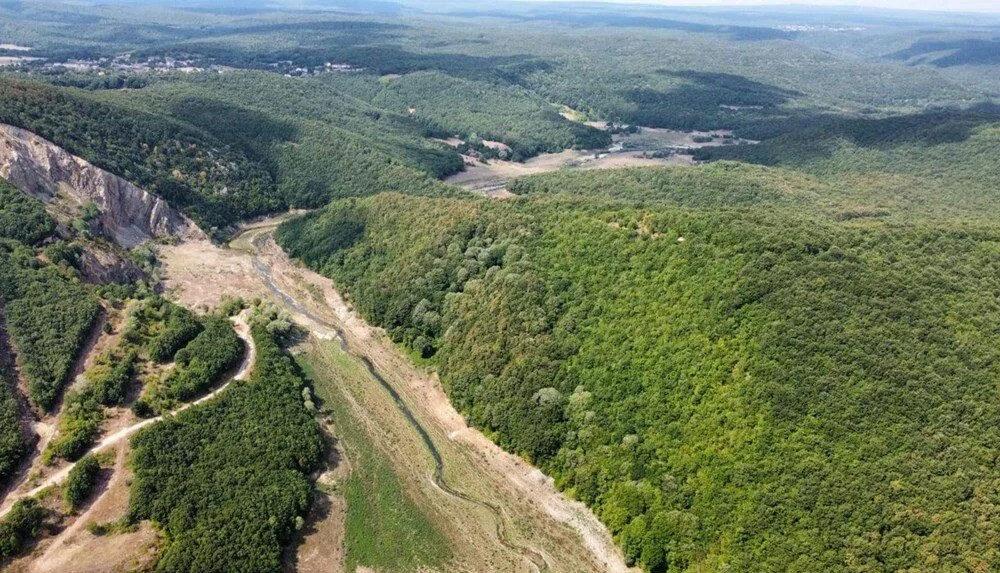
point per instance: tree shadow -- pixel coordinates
(706, 101)
(101, 485)
(318, 511)
(821, 137)
(322, 502)
(948, 53)
(252, 132)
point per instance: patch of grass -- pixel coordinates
(384, 527)
(107, 457)
(111, 527)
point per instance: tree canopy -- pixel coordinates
(823, 388)
(227, 479)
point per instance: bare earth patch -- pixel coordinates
(484, 177)
(320, 545)
(649, 147)
(76, 550)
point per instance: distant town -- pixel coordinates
(129, 63)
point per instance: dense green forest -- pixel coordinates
(721, 184)
(22, 218)
(931, 165)
(48, 317)
(228, 481)
(317, 140)
(161, 328)
(201, 363)
(477, 110)
(12, 445)
(704, 378)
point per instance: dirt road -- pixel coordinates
(249, 358)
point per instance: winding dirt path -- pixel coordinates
(249, 359)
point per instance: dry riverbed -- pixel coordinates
(535, 519)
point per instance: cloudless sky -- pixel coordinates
(939, 5)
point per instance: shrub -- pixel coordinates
(81, 481)
(21, 525)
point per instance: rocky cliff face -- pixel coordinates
(128, 215)
(105, 266)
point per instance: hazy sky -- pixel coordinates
(940, 5)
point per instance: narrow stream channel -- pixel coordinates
(535, 558)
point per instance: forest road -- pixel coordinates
(249, 359)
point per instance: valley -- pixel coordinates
(425, 286)
(428, 443)
(443, 469)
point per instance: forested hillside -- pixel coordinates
(721, 184)
(318, 142)
(938, 165)
(48, 317)
(705, 379)
(477, 110)
(45, 317)
(216, 184)
(196, 146)
(228, 481)
(12, 444)
(501, 76)
(22, 218)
